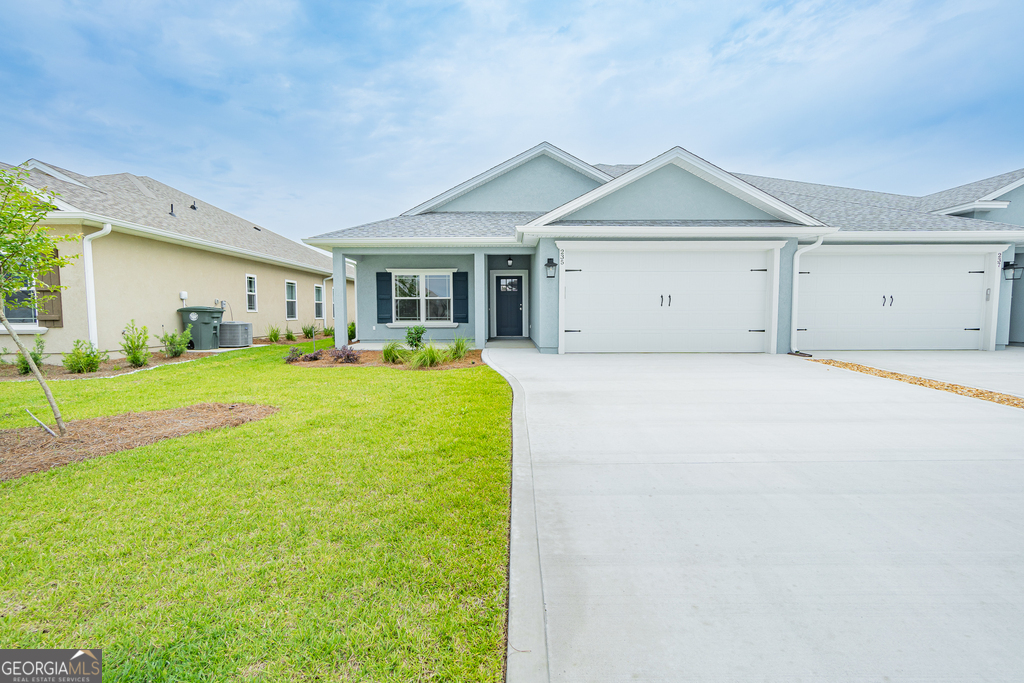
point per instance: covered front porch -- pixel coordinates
(480, 294)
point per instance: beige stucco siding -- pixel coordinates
(139, 278)
(74, 323)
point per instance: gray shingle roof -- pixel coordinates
(970, 192)
(860, 210)
(453, 224)
(120, 197)
(679, 223)
(615, 170)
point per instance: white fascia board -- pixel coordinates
(704, 245)
(138, 230)
(369, 243)
(692, 163)
(910, 248)
(40, 166)
(933, 237)
(545, 148)
(531, 234)
(979, 205)
(1001, 191)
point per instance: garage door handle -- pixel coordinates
(669, 299)
(890, 301)
(662, 300)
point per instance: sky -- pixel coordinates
(308, 117)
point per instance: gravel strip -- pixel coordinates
(983, 394)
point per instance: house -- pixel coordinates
(677, 254)
(144, 244)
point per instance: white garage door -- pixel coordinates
(892, 301)
(664, 301)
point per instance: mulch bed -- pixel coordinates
(108, 368)
(375, 359)
(983, 394)
(30, 449)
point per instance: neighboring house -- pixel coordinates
(678, 255)
(138, 255)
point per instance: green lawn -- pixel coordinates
(361, 533)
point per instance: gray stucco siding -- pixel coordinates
(1013, 214)
(367, 267)
(540, 184)
(670, 193)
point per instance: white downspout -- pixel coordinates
(90, 283)
(324, 285)
(796, 294)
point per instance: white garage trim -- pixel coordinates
(772, 262)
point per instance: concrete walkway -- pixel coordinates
(754, 517)
(1001, 371)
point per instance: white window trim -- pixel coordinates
(422, 272)
(255, 294)
(322, 302)
(286, 299)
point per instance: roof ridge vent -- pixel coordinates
(140, 187)
(40, 166)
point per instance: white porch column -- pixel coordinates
(480, 299)
(340, 300)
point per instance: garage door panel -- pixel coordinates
(891, 301)
(620, 301)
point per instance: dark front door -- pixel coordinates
(509, 302)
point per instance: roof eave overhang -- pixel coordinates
(410, 242)
(533, 233)
(972, 206)
(928, 236)
(128, 228)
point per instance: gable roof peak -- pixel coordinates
(544, 148)
(701, 168)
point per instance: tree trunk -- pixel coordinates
(35, 370)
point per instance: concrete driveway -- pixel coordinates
(1001, 371)
(754, 517)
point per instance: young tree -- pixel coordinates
(27, 253)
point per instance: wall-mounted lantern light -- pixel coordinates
(551, 267)
(1011, 271)
(509, 261)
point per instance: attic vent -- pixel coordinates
(172, 209)
(255, 228)
(193, 207)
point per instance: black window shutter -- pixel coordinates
(460, 297)
(384, 297)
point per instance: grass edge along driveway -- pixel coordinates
(361, 533)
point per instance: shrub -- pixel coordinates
(329, 332)
(293, 355)
(346, 354)
(3, 352)
(136, 344)
(176, 343)
(309, 331)
(427, 357)
(393, 353)
(316, 355)
(457, 349)
(37, 356)
(351, 331)
(84, 357)
(414, 336)
(273, 334)
(288, 334)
